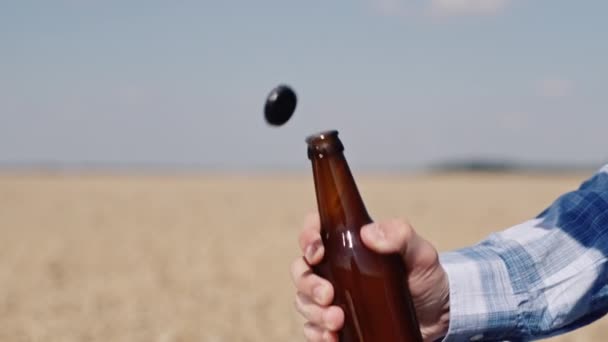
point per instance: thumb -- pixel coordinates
(387, 237)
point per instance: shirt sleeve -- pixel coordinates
(541, 278)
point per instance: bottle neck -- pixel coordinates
(339, 201)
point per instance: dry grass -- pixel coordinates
(206, 258)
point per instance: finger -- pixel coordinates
(311, 284)
(310, 230)
(397, 236)
(314, 333)
(330, 318)
(310, 239)
(392, 236)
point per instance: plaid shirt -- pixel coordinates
(541, 278)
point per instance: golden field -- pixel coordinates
(165, 258)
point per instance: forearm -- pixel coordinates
(543, 277)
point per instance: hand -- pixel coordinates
(427, 280)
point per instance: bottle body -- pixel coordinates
(371, 288)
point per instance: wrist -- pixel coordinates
(438, 327)
(482, 303)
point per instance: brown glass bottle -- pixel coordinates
(369, 287)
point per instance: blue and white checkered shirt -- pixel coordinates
(544, 277)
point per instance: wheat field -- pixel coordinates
(128, 257)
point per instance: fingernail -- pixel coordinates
(319, 294)
(375, 231)
(312, 250)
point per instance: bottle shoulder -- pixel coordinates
(345, 250)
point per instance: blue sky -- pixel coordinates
(406, 82)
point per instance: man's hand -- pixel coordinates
(427, 280)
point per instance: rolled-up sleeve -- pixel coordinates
(543, 277)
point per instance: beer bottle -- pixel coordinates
(371, 288)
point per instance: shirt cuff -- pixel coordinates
(483, 305)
